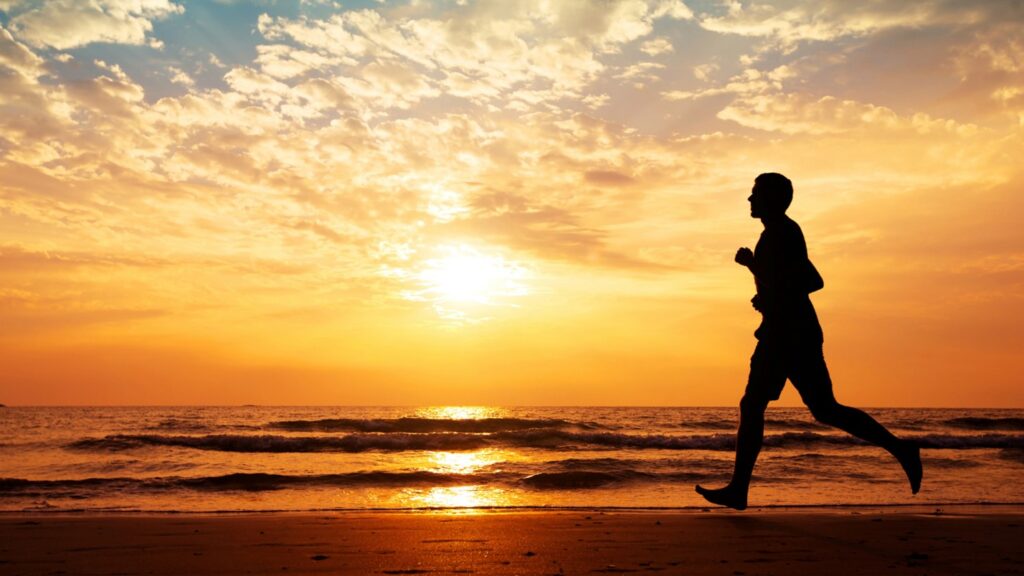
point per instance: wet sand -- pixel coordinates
(780, 542)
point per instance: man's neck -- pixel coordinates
(774, 220)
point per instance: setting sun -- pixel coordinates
(466, 275)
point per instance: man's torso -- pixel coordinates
(781, 258)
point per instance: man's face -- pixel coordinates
(757, 207)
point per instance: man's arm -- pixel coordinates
(745, 258)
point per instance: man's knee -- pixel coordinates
(825, 411)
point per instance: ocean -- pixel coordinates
(254, 458)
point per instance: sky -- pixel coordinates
(515, 202)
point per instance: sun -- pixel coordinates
(466, 275)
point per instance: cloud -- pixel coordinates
(544, 231)
(283, 62)
(657, 47)
(178, 76)
(14, 257)
(17, 57)
(785, 24)
(795, 113)
(704, 71)
(535, 53)
(33, 115)
(641, 73)
(608, 178)
(64, 24)
(749, 81)
(991, 70)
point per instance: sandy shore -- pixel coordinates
(692, 543)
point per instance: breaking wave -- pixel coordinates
(730, 424)
(263, 482)
(252, 482)
(530, 438)
(979, 423)
(423, 425)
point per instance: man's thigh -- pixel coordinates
(809, 375)
(767, 374)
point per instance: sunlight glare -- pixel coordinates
(466, 275)
(459, 412)
(458, 497)
(463, 462)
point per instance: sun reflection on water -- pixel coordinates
(463, 462)
(462, 499)
(473, 496)
(459, 412)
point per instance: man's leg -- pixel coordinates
(765, 383)
(810, 377)
(749, 438)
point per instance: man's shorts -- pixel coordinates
(802, 364)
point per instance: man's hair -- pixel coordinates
(778, 190)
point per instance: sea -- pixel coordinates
(458, 458)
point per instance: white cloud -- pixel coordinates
(750, 81)
(18, 57)
(785, 24)
(801, 114)
(533, 53)
(703, 72)
(178, 76)
(283, 62)
(641, 73)
(63, 24)
(657, 47)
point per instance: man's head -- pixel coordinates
(770, 196)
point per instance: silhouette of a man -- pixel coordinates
(789, 346)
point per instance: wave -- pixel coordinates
(731, 424)
(979, 423)
(532, 438)
(264, 482)
(253, 482)
(794, 424)
(272, 443)
(423, 425)
(579, 479)
(1015, 454)
(178, 424)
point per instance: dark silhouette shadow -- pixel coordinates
(789, 346)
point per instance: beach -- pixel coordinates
(960, 540)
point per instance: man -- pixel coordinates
(789, 346)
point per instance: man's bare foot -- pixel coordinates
(728, 496)
(910, 459)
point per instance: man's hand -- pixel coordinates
(756, 302)
(745, 257)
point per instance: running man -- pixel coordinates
(789, 346)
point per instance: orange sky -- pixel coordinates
(501, 202)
